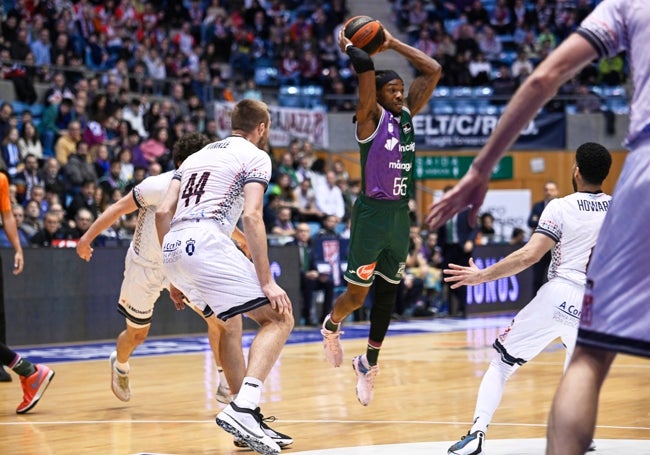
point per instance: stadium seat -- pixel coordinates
(266, 76)
(312, 96)
(289, 96)
(439, 106)
(441, 91)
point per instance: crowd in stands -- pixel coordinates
(497, 43)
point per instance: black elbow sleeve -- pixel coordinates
(361, 61)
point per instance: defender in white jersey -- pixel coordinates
(209, 193)
(144, 279)
(614, 317)
(568, 227)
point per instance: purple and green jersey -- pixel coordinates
(388, 157)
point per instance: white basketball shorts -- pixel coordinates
(141, 287)
(206, 266)
(554, 312)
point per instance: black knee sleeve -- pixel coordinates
(382, 309)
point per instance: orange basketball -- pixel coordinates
(365, 33)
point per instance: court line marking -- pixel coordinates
(308, 421)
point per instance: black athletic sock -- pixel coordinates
(24, 367)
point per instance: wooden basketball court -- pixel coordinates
(425, 392)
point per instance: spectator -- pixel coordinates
(67, 143)
(540, 268)
(26, 179)
(84, 199)
(6, 113)
(501, 18)
(517, 238)
(477, 15)
(306, 202)
(19, 216)
(457, 72)
(425, 43)
(82, 221)
(127, 168)
(41, 48)
(37, 193)
(11, 152)
(51, 234)
(417, 19)
(466, 44)
(58, 90)
(53, 177)
(283, 226)
(29, 142)
(19, 48)
(410, 291)
(490, 45)
(486, 233)
(289, 68)
(521, 65)
(112, 180)
(79, 169)
(456, 239)
(480, 70)
(154, 169)
(546, 39)
(134, 114)
(286, 167)
(610, 70)
(32, 221)
(155, 148)
(311, 278)
(102, 161)
(328, 228)
(329, 198)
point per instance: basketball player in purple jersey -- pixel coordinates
(614, 315)
(379, 235)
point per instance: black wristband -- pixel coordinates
(361, 61)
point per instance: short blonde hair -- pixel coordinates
(248, 114)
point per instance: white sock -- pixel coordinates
(250, 393)
(490, 393)
(122, 367)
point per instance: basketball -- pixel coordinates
(365, 33)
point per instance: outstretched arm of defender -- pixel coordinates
(512, 264)
(125, 205)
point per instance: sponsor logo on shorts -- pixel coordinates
(171, 246)
(190, 247)
(171, 252)
(567, 315)
(365, 271)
